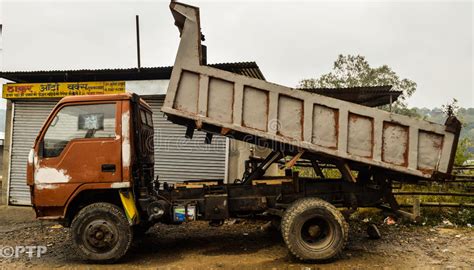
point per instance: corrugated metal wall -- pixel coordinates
(176, 158)
(27, 120)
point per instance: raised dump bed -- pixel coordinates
(210, 97)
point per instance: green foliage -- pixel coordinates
(450, 109)
(462, 153)
(459, 216)
(354, 71)
(398, 109)
(328, 173)
(436, 215)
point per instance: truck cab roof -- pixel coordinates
(106, 97)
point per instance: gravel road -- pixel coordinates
(242, 245)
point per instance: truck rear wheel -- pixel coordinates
(314, 230)
(100, 232)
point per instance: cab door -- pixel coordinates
(82, 144)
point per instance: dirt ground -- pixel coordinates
(243, 245)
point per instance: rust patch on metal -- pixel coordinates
(267, 112)
(224, 130)
(372, 138)
(336, 127)
(231, 109)
(437, 142)
(332, 126)
(302, 120)
(405, 140)
(354, 118)
(176, 104)
(267, 99)
(233, 103)
(198, 124)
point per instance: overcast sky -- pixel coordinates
(429, 42)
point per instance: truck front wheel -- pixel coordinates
(314, 229)
(100, 232)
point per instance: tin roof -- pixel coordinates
(371, 96)
(249, 69)
(368, 96)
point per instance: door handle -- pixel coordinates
(108, 167)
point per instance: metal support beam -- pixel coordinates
(189, 132)
(293, 161)
(260, 170)
(345, 170)
(317, 169)
(208, 139)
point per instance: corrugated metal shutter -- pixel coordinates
(27, 120)
(178, 158)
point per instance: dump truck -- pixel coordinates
(91, 167)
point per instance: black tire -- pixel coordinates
(314, 230)
(100, 232)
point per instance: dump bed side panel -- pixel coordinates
(309, 121)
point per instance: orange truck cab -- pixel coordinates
(86, 144)
(85, 153)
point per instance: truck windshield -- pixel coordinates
(78, 122)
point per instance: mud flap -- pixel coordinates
(129, 206)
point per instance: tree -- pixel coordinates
(462, 152)
(451, 109)
(355, 71)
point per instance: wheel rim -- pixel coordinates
(100, 236)
(317, 233)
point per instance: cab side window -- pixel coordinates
(78, 122)
(146, 118)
